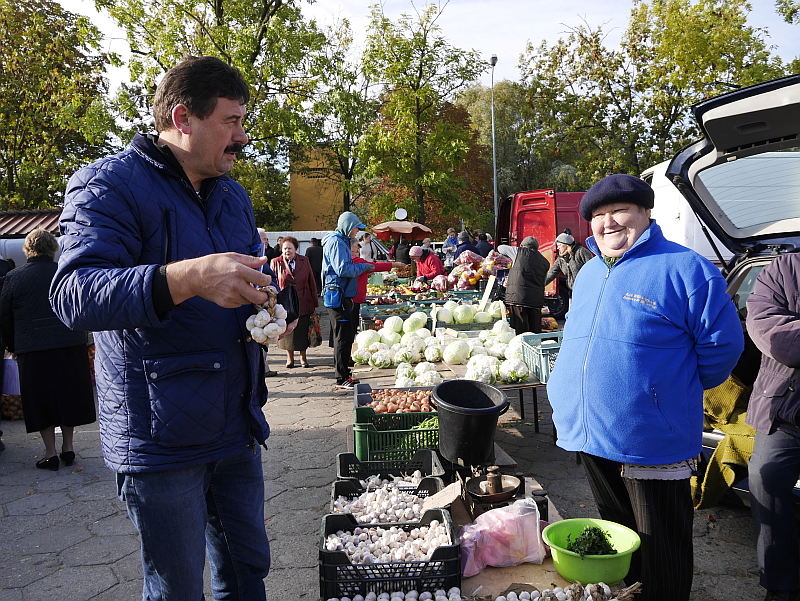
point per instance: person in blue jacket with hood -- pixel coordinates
(650, 328)
(340, 286)
(156, 261)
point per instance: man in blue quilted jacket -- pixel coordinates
(156, 260)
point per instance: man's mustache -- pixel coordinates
(235, 148)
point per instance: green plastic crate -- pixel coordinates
(389, 436)
(539, 352)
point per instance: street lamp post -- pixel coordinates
(494, 151)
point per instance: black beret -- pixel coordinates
(616, 188)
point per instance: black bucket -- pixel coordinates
(468, 412)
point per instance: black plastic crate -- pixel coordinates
(351, 489)
(349, 466)
(338, 577)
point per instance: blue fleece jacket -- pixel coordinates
(641, 343)
(337, 258)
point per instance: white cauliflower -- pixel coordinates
(433, 353)
(480, 373)
(429, 378)
(513, 370)
(421, 368)
(404, 383)
(498, 350)
(361, 356)
(405, 370)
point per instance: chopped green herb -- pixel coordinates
(592, 541)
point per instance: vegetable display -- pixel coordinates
(383, 504)
(592, 541)
(391, 400)
(456, 352)
(375, 545)
(513, 370)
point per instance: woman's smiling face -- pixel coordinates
(617, 227)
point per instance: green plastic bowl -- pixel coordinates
(592, 569)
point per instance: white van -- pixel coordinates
(676, 218)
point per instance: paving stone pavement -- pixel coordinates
(65, 536)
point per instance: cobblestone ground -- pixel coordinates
(65, 536)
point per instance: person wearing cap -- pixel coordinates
(465, 244)
(340, 285)
(525, 287)
(428, 264)
(451, 241)
(650, 328)
(572, 256)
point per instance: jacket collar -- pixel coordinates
(651, 233)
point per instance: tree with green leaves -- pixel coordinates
(53, 118)
(518, 167)
(626, 109)
(277, 50)
(343, 110)
(410, 143)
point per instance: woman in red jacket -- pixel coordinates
(362, 280)
(294, 269)
(428, 264)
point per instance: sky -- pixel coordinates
(501, 27)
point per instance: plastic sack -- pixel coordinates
(440, 283)
(506, 536)
(468, 257)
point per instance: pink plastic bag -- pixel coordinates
(507, 536)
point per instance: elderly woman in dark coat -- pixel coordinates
(54, 375)
(525, 287)
(293, 269)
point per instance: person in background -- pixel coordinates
(180, 386)
(44, 345)
(367, 251)
(295, 270)
(11, 263)
(651, 327)
(490, 240)
(5, 267)
(267, 250)
(465, 244)
(314, 255)
(572, 256)
(428, 264)
(451, 240)
(363, 280)
(483, 246)
(401, 252)
(525, 287)
(277, 249)
(773, 322)
(426, 243)
(340, 275)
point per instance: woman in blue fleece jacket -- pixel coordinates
(650, 328)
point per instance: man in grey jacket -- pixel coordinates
(773, 322)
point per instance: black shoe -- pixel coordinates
(305, 365)
(2, 446)
(270, 374)
(48, 464)
(68, 457)
(290, 366)
(782, 596)
(348, 384)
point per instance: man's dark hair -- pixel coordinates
(482, 237)
(197, 83)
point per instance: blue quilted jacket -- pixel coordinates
(178, 389)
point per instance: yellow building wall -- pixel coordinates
(316, 199)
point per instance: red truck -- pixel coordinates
(543, 214)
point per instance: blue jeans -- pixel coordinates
(773, 471)
(178, 512)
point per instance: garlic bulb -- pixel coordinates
(270, 322)
(386, 504)
(392, 545)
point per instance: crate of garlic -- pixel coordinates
(384, 501)
(349, 467)
(454, 594)
(357, 559)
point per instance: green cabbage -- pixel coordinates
(394, 323)
(497, 310)
(482, 317)
(451, 305)
(389, 337)
(422, 333)
(462, 314)
(456, 352)
(367, 338)
(444, 315)
(415, 321)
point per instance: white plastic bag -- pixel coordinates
(506, 536)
